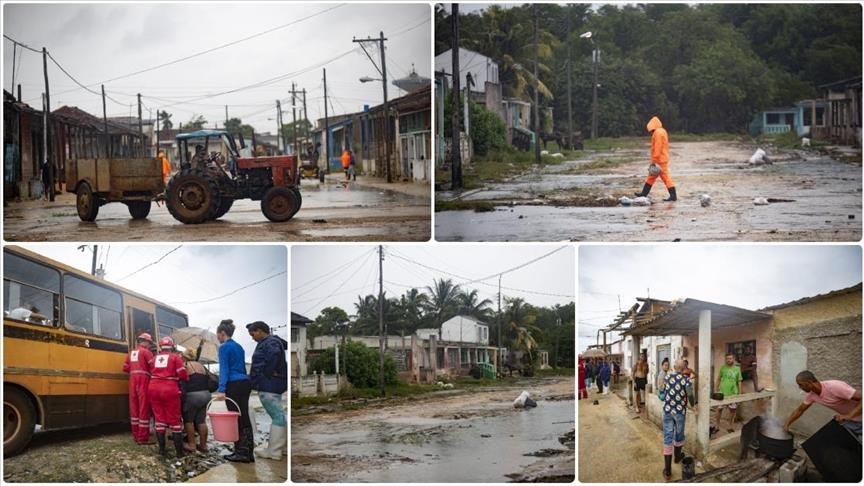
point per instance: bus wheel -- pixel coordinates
(19, 421)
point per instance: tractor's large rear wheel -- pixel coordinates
(280, 204)
(192, 198)
(225, 204)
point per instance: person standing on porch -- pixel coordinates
(837, 395)
(674, 415)
(640, 379)
(729, 384)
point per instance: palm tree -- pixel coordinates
(520, 326)
(469, 305)
(412, 305)
(442, 301)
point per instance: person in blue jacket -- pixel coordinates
(269, 376)
(235, 384)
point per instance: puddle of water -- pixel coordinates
(346, 232)
(437, 451)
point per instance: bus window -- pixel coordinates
(169, 320)
(142, 322)
(28, 285)
(91, 308)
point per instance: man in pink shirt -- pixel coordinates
(834, 394)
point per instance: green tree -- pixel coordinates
(469, 304)
(442, 301)
(165, 120)
(328, 323)
(362, 364)
(413, 305)
(196, 123)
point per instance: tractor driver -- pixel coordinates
(199, 160)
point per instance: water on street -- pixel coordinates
(360, 211)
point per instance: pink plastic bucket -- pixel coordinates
(224, 424)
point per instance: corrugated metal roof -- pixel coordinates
(834, 293)
(683, 318)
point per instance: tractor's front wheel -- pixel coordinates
(192, 198)
(280, 204)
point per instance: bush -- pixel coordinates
(362, 364)
(487, 130)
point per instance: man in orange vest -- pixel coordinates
(138, 366)
(659, 156)
(166, 166)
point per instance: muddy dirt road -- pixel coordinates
(577, 200)
(362, 211)
(458, 436)
(107, 454)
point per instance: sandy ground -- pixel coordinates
(403, 442)
(107, 454)
(366, 210)
(822, 199)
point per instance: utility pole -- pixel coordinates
(105, 121)
(456, 138)
(157, 130)
(278, 123)
(305, 118)
(226, 115)
(569, 89)
(596, 58)
(46, 128)
(140, 124)
(381, 318)
(386, 106)
(93, 266)
(326, 137)
(537, 159)
(294, 117)
(498, 361)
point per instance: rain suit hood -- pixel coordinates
(654, 123)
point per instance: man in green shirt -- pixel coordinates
(729, 384)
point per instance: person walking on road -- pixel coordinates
(660, 157)
(164, 390)
(137, 364)
(589, 375)
(674, 416)
(196, 396)
(346, 163)
(235, 384)
(603, 379)
(837, 395)
(583, 373)
(269, 376)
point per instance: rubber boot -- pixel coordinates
(160, 438)
(673, 196)
(178, 444)
(667, 470)
(679, 454)
(645, 190)
(243, 449)
(278, 438)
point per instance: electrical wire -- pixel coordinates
(76, 81)
(25, 46)
(335, 270)
(233, 291)
(327, 296)
(150, 264)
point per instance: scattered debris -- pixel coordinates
(759, 158)
(776, 200)
(760, 201)
(705, 200)
(625, 201)
(524, 401)
(642, 201)
(319, 220)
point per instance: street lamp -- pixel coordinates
(595, 56)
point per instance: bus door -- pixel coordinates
(141, 321)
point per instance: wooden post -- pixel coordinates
(703, 394)
(46, 128)
(105, 120)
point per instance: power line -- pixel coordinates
(150, 264)
(234, 291)
(25, 46)
(79, 84)
(340, 285)
(337, 269)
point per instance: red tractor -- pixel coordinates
(217, 173)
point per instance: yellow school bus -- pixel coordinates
(65, 338)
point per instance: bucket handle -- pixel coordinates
(226, 398)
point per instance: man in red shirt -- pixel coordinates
(834, 394)
(138, 366)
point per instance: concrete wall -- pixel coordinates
(464, 330)
(823, 336)
(761, 333)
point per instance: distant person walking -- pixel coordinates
(166, 166)
(589, 375)
(583, 373)
(674, 416)
(235, 384)
(346, 163)
(138, 363)
(269, 376)
(605, 374)
(659, 156)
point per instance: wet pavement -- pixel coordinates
(463, 437)
(817, 199)
(333, 211)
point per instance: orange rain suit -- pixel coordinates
(166, 166)
(346, 159)
(659, 152)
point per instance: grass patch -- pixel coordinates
(602, 164)
(459, 205)
(705, 137)
(609, 143)
(555, 372)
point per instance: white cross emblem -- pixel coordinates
(134, 356)
(162, 361)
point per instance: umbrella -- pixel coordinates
(594, 353)
(204, 343)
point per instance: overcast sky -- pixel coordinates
(99, 42)
(324, 276)
(750, 277)
(195, 273)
